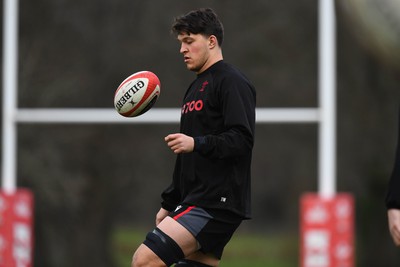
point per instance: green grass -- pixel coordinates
(125, 242)
(261, 250)
(244, 250)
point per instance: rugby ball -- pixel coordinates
(137, 94)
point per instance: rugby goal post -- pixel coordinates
(324, 115)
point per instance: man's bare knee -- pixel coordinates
(137, 260)
(144, 257)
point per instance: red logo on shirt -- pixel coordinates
(192, 106)
(203, 86)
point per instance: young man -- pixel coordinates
(210, 192)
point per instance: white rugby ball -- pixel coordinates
(137, 94)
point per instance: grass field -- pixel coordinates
(244, 250)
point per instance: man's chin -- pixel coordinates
(192, 68)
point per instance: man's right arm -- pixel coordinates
(161, 214)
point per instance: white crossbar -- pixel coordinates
(155, 115)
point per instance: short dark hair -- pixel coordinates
(202, 21)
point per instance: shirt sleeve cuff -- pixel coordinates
(199, 141)
(168, 206)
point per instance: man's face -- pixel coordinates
(195, 51)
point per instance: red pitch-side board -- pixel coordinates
(16, 229)
(327, 231)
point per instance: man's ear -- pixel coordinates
(213, 41)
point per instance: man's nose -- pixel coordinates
(183, 48)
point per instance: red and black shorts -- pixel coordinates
(211, 230)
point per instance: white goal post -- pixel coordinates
(324, 115)
(154, 116)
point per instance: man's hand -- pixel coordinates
(161, 214)
(180, 143)
(394, 225)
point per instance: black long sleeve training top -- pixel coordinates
(393, 192)
(218, 111)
